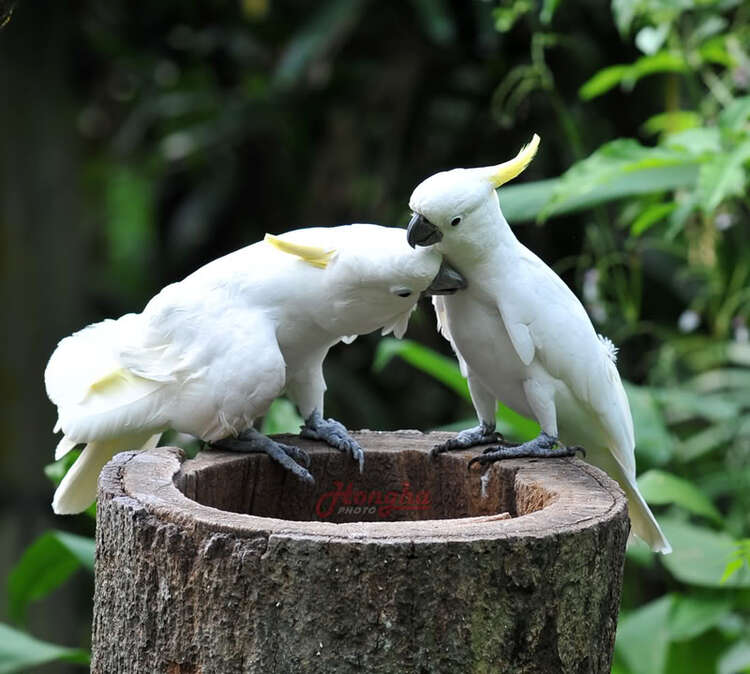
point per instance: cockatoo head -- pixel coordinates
(447, 205)
(370, 277)
(378, 278)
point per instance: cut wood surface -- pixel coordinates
(226, 563)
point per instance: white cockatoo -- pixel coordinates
(208, 355)
(522, 337)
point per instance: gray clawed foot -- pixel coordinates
(334, 434)
(471, 437)
(288, 456)
(544, 446)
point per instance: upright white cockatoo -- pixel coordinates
(522, 337)
(209, 354)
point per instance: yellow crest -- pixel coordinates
(317, 257)
(508, 170)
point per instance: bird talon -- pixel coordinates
(442, 447)
(481, 459)
(335, 435)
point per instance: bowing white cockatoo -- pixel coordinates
(208, 355)
(522, 337)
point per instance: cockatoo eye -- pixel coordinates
(401, 292)
(455, 221)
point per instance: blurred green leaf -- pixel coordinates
(628, 75)
(624, 11)
(660, 62)
(699, 555)
(693, 615)
(682, 404)
(130, 218)
(736, 659)
(672, 122)
(732, 567)
(523, 202)
(56, 470)
(715, 51)
(659, 487)
(698, 654)
(740, 559)
(734, 116)
(331, 23)
(643, 637)
(621, 168)
(548, 10)
(723, 378)
(603, 81)
(705, 441)
(723, 177)
(45, 565)
(506, 16)
(282, 417)
(19, 652)
(649, 216)
(652, 437)
(708, 27)
(440, 367)
(696, 141)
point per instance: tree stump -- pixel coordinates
(226, 563)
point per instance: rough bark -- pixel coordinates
(222, 564)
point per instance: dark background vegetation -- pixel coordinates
(140, 140)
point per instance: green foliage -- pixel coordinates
(19, 652)
(659, 488)
(45, 565)
(282, 417)
(736, 659)
(660, 637)
(740, 560)
(628, 75)
(700, 555)
(643, 637)
(130, 230)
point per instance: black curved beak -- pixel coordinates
(421, 232)
(447, 281)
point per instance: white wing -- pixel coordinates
(547, 322)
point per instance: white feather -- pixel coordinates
(63, 447)
(77, 490)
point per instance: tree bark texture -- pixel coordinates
(225, 563)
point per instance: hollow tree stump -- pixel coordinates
(226, 563)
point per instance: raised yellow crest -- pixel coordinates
(314, 255)
(508, 170)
